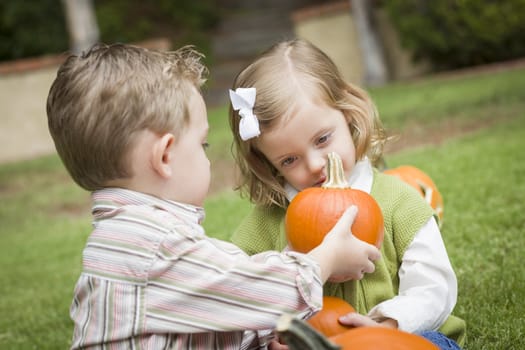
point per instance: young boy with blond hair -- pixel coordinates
(130, 126)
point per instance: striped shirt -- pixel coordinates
(152, 279)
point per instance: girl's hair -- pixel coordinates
(279, 75)
(101, 99)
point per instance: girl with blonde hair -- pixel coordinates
(290, 108)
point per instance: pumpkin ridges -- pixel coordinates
(314, 211)
(301, 217)
(306, 228)
(371, 232)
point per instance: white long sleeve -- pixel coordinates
(428, 285)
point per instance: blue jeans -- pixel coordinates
(440, 340)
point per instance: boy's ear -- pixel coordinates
(161, 155)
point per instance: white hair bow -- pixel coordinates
(243, 100)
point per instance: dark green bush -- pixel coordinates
(459, 33)
(31, 28)
(36, 27)
(182, 21)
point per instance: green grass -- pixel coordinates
(481, 179)
(45, 217)
(466, 98)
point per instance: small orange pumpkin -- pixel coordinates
(314, 211)
(326, 320)
(423, 183)
(373, 338)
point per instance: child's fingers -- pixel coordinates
(356, 320)
(373, 253)
(347, 219)
(369, 267)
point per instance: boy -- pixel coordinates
(130, 125)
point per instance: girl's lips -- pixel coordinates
(320, 182)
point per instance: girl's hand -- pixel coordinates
(276, 345)
(357, 320)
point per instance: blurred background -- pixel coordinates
(374, 42)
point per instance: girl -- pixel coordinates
(290, 108)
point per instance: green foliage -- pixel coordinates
(36, 27)
(31, 28)
(182, 21)
(458, 33)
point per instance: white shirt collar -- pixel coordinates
(360, 178)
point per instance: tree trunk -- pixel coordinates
(373, 58)
(81, 23)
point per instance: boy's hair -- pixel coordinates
(101, 99)
(280, 74)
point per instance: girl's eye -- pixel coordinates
(205, 145)
(288, 161)
(323, 139)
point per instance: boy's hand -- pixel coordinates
(341, 255)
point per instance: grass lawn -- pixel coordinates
(45, 217)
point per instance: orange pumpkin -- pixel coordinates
(423, 184)
(326, 320)
(314, 211)
(299, 335)
(372, 338)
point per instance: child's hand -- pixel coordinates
(357, 320)
(276, 345)
(341, 255)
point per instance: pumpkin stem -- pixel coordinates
(299, 335)
(335, 177)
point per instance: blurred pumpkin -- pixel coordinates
(314, 211)
(375, 338)
(423, 183)
(326, 320)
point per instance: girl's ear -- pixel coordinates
(161, 155)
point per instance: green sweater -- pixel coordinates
(404, 212)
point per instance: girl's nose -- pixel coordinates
(316, 163)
